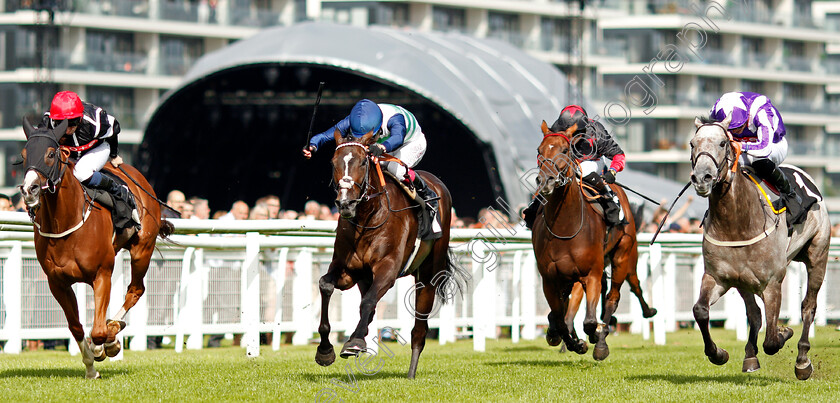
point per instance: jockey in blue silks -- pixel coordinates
(397, 133)
(758, 126)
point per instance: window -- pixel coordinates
(752, 86)
(449, 19)
(555, 35)
(505, 27)
(178, 54)
(110, 51)
(390, 14)
(118, 102)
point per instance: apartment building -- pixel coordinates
(123, 54)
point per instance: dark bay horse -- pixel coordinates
(75, 240)
(374, 243)
(746, 247)
(571, 243)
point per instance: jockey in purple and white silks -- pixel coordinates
(397, 133)
(758, 125)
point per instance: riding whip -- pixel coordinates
(314, 111)
(641, 195)
(661, 223)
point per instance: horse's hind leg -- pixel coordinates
(101, 296)
(636, 289)
(816, 273)
(775, 336)
(67, 300)
(140, 259)
(710, 292)
(423, 307)
(754, 320)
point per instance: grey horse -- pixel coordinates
(746, 246)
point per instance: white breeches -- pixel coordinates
(778, 153)
(587, 167)
(92, 162)
(410, 153)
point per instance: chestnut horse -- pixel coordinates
(374, 245)
(746, 247)
(571, 243)
(75, 239)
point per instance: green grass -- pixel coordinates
(636, 370)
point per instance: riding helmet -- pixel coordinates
(569, 116)
(731, 104)
(66, 105)
(365, 117)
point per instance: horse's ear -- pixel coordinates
(65, 153)
(366, 139)
(59, 131)
(338, 138)
(544, 128)
(27, 127)
(571, 131)
(698, 122)
(725, 122)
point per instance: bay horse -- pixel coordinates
(746, 247)
(75, 239)
(374, 245)
(571, 242)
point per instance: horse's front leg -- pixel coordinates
(710, 292)
(371, 293)
(325, 354)
(754, 320)
(775, 336)
(67, 300)
(597, 332)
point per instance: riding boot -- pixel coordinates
(529, 214)
(431, 198)
(788, 198)
(609, 200)
(119, 191)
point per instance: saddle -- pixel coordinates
(120, 209)
(592, 196)
(424, 219)
(800, 182)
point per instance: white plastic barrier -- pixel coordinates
(252, 277)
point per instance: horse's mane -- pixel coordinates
(707, 119)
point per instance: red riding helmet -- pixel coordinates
(569, 116)
(66, 105)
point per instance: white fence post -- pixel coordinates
(697, 273)
(669, 272)
(118, 289)
(279, 276)
(405, 315)
(251, 295)
(479, 299)
(638, 321)
(181, 310)
(657, 276)
(302, 297)
(529, 296)
(139, 318)
(12, 299)
(793, 279)
(516, 298)
(195, 302)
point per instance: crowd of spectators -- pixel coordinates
(265, 208)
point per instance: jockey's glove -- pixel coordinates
(609, 176)
(377, 150)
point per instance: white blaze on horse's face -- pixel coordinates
(31, 189)
(346, 183)
(709, 148)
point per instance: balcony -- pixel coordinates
(254, 17)
(121, 8)
(611, 48)
(831, 66)
(755, 60)
(715, 56)
(513, 38)
(753, 14)
(798, 105)
(175, 65)
(112, 62)
(798, 63)
(559, 44)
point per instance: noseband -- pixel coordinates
(346, 182)
(720, 168)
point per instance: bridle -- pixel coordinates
(347, 183)
(560, 180)
(720, 167)
(53, 174)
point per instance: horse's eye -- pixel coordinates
(722, 143)
(51, 154)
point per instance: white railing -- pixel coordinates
(252, 277)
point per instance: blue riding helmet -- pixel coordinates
(365, 117)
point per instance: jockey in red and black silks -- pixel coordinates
(397, 133)
(91, 136)
(758, 126)
(591, 142)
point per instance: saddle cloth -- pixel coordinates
(120, 209)
(591, 196)
(424, 219)
(800, 182)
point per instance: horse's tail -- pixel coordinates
(166, 228)
(638, 216)
(456, 278)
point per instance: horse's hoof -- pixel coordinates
(580, 347)
(804, 373)
(353, 348)
(112, 349)
(750, 365)
(601, 352)
(649, 313)
(720, 357)
(563, 348)
(553, 339)
(119, 324)
(325, 358)
(98, 353)
(613, 322)
(786, 333)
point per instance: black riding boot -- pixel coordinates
(119, 191)
(768, 171)
(608, 199)
(529, 214)
(431, 198)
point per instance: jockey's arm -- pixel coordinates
(608, 147)
(320, 139)
(765, 127)
(397, 129)
(113, 139)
